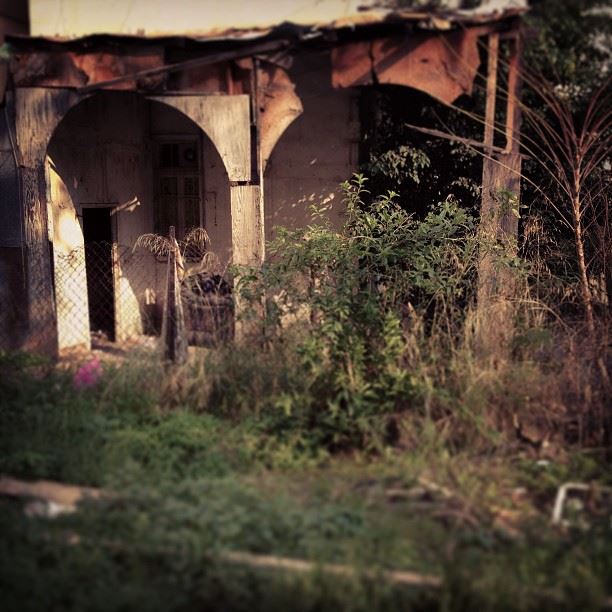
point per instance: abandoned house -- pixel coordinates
(108, 135)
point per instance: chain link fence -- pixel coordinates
(105, 291)
(110, 293)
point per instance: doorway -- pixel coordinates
(98, 239)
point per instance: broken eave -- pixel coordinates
(435, 52)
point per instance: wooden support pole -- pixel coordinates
(257, 158)
(513, 108)
(174, 337)
(492, 61)
(499, 211)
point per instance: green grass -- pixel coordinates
(187, 485)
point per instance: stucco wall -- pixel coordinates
(316, 153)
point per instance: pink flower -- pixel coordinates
(88, 374)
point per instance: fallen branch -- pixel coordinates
(454, 138)
(302, 566)
(65, 497)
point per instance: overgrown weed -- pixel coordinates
(365, 373)
(369, 336)
(376, 323)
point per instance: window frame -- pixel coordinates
(179, 173)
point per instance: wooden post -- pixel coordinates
(492, 61)
(247, 225)
(499, 211)
(513, 108)
(41, 330)
(173, 335)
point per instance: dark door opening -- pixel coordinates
(98, 237)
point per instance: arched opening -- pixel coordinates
(317, 152)
(119, 166)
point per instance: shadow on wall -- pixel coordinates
(293, 213)
(318, 151)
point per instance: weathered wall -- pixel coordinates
(100, 156)
(101, 152)
(10, 226)
(12, 275)
(317, 152)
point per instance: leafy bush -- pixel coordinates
(346, 299)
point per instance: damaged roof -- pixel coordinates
(439, 56)
(71, 20)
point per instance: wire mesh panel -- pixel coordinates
(71, 298)
(106, 292)
(101, 288)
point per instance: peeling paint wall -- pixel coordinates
(318, 151)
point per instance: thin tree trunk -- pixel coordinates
(585, 290)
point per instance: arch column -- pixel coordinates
(278, 107)
(38, 111)
(226, 120)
